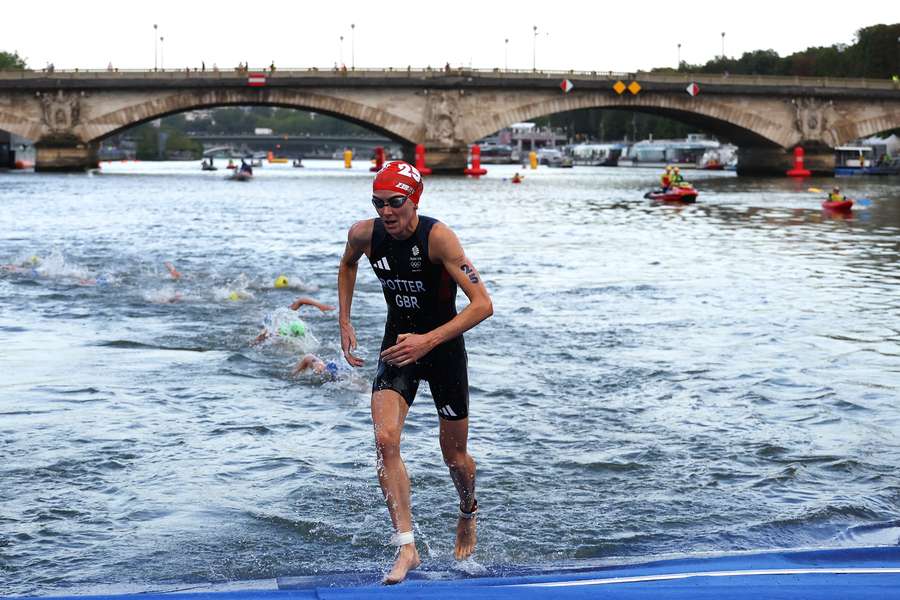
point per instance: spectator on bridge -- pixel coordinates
(203, 65)
(272, 67)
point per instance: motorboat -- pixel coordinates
(241, 174)
(596, 155)
(552, 157)
(685, 193)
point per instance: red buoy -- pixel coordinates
(798, 170)
(476, 170)
(420, 160)
(379, 159)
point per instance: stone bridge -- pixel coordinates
(68, 113)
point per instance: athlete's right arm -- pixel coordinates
(358, 240)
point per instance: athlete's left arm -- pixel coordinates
(444, 248)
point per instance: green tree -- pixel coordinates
(12, 62)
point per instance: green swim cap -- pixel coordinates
(294, 329)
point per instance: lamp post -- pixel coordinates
(678, 64)
(506, 54)
(353, 46)
(341, 61)
(534, 50)
(723, 45)
(155, 50)
(162, 64)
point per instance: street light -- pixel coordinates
(162, 65)
(155, 50)
(341, 63)
(678, 64)
(506, 54)
(534, 50)
(723, 45)
(353, 46)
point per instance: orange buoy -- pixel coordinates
(799, 170)
(476, 170)
(379, 159)
(420, 160)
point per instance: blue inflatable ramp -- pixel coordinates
(847, 574)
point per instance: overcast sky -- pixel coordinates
(622, 35)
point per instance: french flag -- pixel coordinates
(256, 79)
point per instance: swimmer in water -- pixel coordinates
(327, 371)
(172, 271)
(293, 329)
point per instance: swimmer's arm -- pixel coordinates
(444, 248)
(308, 361)
(358, 240)
(260, 338)
(172, 271)
(310, 302)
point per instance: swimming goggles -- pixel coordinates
(393, 201)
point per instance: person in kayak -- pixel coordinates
(677, 179)
(419, 263)
(836, 195)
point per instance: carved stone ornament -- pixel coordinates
(61, 112)
(442, 116)
(812, 117)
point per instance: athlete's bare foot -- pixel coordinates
(465, 537)
(407, 560)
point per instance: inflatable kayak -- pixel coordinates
(842, 205)
(832, 574)
(678, 194)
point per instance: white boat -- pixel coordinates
(553, 157)
(596, 155)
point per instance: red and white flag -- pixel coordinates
(693, 89)
(256, 79)
(566, 86)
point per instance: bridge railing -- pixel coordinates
(430, 73)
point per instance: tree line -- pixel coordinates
(875, 54)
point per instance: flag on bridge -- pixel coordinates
(256, 79)
(566, 86)
(693, 89)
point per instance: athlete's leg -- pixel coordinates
(389, 411)
(454, 438)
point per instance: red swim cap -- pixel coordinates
(401, 177)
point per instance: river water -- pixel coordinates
(655, 380)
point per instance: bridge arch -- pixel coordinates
(125, 117)
(744, 128)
